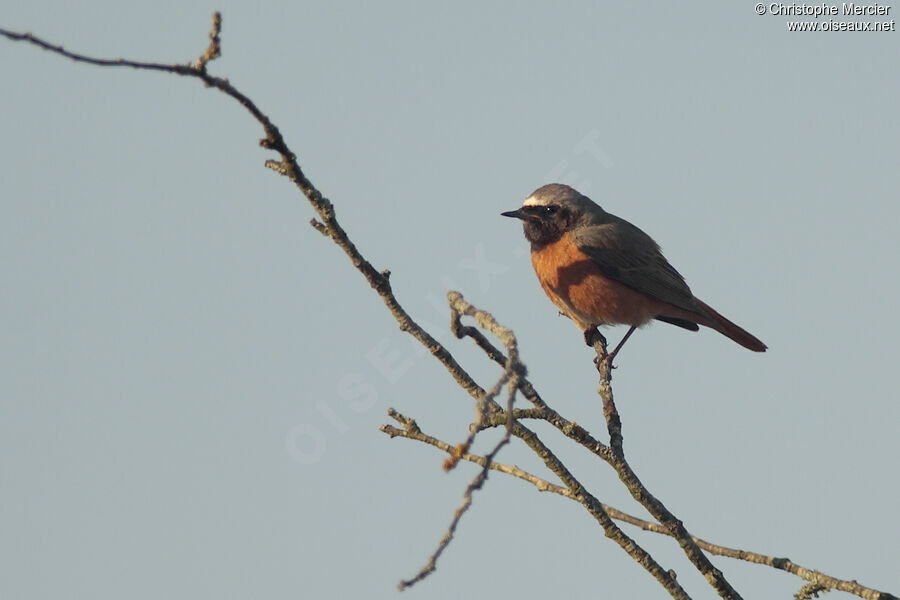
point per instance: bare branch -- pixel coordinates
(818, 580)
(511, 373)
(542, 410)
(640, 493)
(513, 369)
(289, 167)
(596, 510)
(583, 437)
(475, 484)
(614, 453)
(574, 490)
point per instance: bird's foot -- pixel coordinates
(592, 336)
(595, 339)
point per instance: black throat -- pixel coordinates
(541, 234)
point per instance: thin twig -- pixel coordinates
(411, 431)
(513, 369)
(511, 373)
(214, 50)
(542, 410)
(475, 484)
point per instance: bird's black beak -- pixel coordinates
(529, 214)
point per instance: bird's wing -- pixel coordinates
(628, 255)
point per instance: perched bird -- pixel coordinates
(599, 269)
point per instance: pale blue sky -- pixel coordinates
(174, 335)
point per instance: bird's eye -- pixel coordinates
(551, 210)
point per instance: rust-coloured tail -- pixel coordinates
(727, 328)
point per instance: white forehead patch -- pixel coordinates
(534, 201)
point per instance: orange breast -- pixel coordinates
(574, 284)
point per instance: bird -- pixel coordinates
(599, 269)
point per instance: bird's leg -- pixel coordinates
(612, 354)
